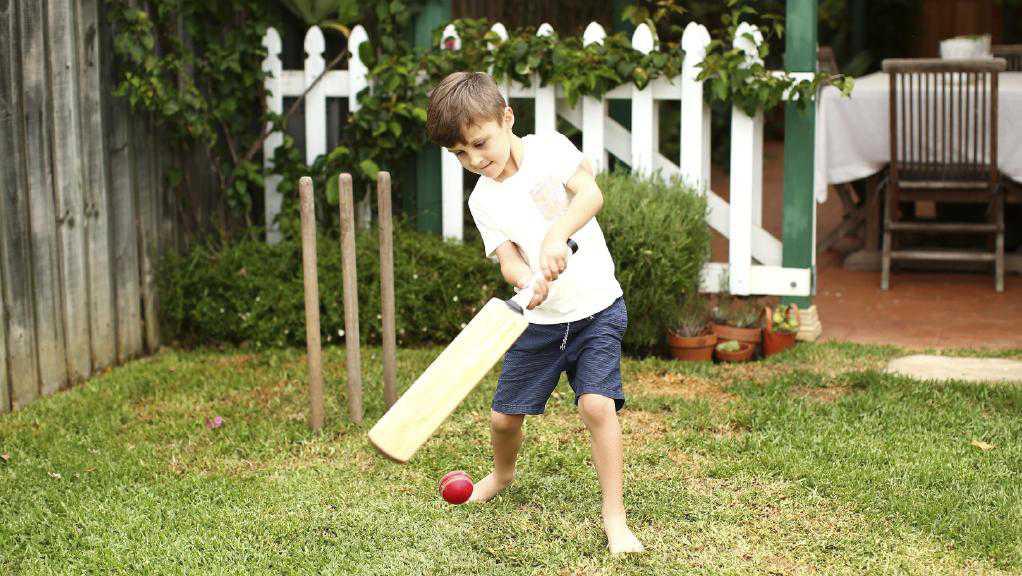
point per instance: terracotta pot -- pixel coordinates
(692, 349)
(749, 335)
(776, 342)
(744, 354)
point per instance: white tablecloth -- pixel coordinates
(853, 136)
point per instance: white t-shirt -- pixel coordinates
(524, 206)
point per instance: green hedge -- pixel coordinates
(657, 233)
(252, 293)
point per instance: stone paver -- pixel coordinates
(928, 367)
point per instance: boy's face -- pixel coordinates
(487, 146)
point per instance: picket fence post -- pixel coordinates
(451, 174)
(645, 125)
(695, 113)
(545, 96)
(273, 67)
(594, 111)
(746, 194)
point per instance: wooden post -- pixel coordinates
(799, 128)
(310, 275)
(350, 287)
(387, 288)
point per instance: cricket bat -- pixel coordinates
(453, 374)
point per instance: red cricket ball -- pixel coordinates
(456, 486)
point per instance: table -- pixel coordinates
(853, 142)
(853, 136)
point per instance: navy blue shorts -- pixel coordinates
(589, 350)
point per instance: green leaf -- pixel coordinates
(333, 194)
(369, 168)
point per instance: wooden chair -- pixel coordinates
(943, 124)
(1012, 54)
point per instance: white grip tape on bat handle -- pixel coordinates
(525, 295)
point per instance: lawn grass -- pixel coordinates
(813, 462)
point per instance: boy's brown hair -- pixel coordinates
(461, 100)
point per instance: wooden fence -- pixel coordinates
(83, 217)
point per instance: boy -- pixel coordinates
(533, 194)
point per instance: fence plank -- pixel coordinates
(594, 111)
(358, 73)
(644, 121)
(93, 153)
(452, 176)
(274, 103)
(315, 101)
(124, 237)
(67, 182)
(5, 391)
(740, 200)
(142, 189)
(45, 267)
(695, 114)
(545, 96)
(504, 87)
(16, 323)
(747, 39)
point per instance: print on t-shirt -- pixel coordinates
(549, 196)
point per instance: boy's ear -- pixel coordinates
(509, 117)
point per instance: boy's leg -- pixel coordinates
(506, 439)
(600, 417)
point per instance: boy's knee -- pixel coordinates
(505, 423)
(596, 408)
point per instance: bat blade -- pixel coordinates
(447, 381)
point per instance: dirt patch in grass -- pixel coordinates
(680, 385)
(233, 360)
(820, 394)
(640, 428)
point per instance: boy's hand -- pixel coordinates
(553, 257)
(540, 289)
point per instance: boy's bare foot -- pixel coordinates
(620, 539)
(489, 487)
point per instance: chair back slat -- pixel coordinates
(943, 121)
(1012, 54)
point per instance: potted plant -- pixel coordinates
(737, 318)
(734, 351)
(691, 338)
(782, 325)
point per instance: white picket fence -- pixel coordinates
(754, 254)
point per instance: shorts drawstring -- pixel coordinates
(565, 341)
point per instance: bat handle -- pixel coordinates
(520, 301)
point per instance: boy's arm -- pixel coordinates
(586, 201)
(517, 272)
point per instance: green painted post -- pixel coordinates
(427, 186)
(799, 130)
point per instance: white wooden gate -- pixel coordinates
(754, 254)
